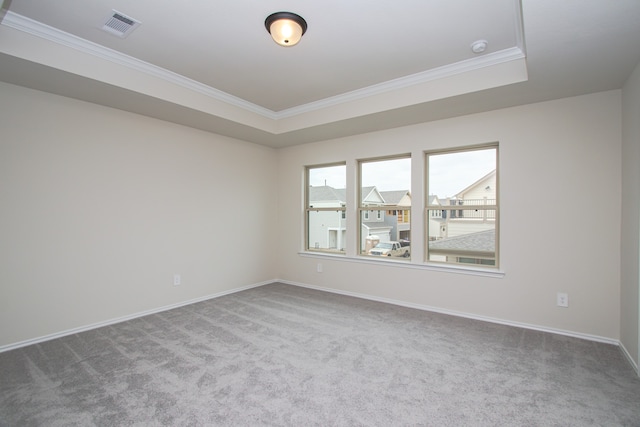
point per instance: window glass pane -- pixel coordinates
(327, 231)
(451, 174)
(462, 207)
(383, 175)
(385, 205)
(473, 242)
(327, 185)
(325, 210)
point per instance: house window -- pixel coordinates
(385, 186)
(325, 208)
(403, 215)
(462, 206)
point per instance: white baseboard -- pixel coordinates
(627, 355)
(125, 318)
(461, 314)
(335, 291)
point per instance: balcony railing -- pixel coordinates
(465, 209)
(484, 214)
(472, 202)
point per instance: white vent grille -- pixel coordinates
(120, 24)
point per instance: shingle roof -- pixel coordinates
(326, 193)
(393, 197)
(366, 192)
(481, 241)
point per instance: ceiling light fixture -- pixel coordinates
(286, 28)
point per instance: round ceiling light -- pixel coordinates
(286, 28)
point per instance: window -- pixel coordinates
(325, 211)
(403, 216)
(384, 209)
(462, 206)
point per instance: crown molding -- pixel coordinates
(38, 29)
(445, 71)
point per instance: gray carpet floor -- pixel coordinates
(287, 356)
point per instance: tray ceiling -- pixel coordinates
(362, 65)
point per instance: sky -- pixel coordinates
(449, 173)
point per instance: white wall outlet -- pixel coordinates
(176, 280)
(319, 267)
(563, 299)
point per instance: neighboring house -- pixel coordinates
(327, 229)
(398, 219)
(473, 248)
(371, 196)
(375, 222)
(465, 236)
(458, 222)
(435, 218)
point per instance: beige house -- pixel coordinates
(460, 222)
(399, 214)
(465, 236)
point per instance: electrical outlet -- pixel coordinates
(176, 280)
(563, 299)
(319, 268)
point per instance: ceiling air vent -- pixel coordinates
(120, 24)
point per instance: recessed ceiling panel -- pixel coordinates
(362, 66)
(348, 45)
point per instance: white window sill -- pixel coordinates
(458, 269)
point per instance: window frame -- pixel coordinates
(362, 211)
(458, 209)
(308, 209)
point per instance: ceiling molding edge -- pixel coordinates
(38, 29)
(489, 60)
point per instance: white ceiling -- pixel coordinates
(363, 65)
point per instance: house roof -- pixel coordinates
(393, 197)
(460, 194)
(326, 193)
(372, 225)
(433, 200)
(372, 195)
(336, 82)
(481, 241)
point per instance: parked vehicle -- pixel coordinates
(390, 249)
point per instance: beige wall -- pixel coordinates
(630, 280)
(559, 161)
(99, 208)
